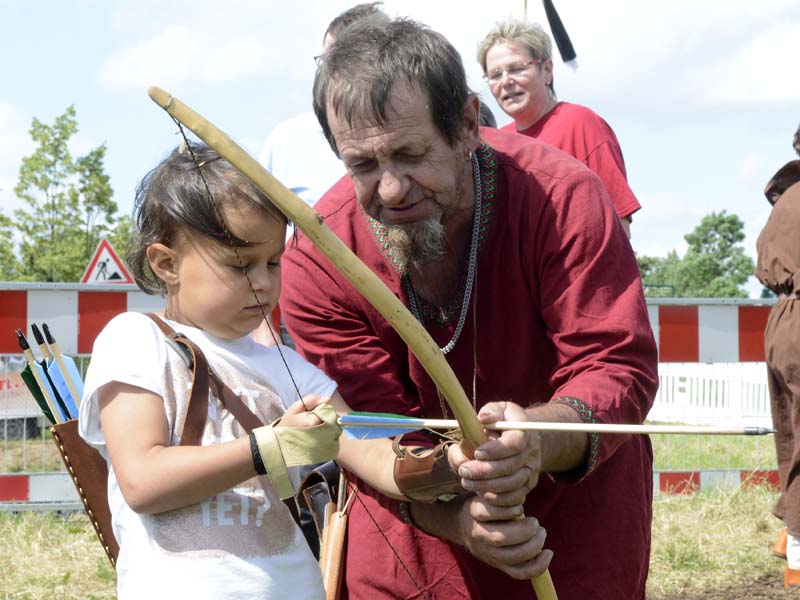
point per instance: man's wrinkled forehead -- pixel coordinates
(404, 101)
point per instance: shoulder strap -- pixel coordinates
(197, 412)
(202, 376)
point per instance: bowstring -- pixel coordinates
(229, 237)
(357, 496)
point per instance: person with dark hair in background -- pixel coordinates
(796, 141)
(778, 268)
(486, 117)
(298, 155)
(511, 256)
(517, 63)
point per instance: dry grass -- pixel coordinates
(712, 540)
(706, 541)
(47, 555)
(30, 456)
(694, 452)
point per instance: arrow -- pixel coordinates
(67, 370)
(45, 391)
(365, 426)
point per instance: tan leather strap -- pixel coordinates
(425, 475)
(197, 411)
(199, 365)
(233, 403)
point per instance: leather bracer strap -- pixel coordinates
(424, 474)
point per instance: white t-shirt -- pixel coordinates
(298, 155)
(242, 543)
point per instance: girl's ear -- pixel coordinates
(164, 263)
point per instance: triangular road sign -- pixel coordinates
(106, 266)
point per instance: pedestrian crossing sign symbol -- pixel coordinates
(106, 267)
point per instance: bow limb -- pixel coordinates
(361, 276)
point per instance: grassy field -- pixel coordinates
(712, 540)
(46, 555)
(695, 452)
(700, 542)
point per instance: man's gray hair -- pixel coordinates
(364, 64)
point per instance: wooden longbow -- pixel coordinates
(359, 274)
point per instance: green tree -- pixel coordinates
(69, 205)
(8, 261)
(121, 237)
(714, 266)
(660, 274)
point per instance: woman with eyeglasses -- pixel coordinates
(517, 63)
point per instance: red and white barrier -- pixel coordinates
(702, 330)
(75, 313)
(687, 330)
(20, 491)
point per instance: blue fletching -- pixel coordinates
(364, 426)
(57, 377)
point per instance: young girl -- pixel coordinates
(196, 521)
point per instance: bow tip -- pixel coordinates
(159, 96)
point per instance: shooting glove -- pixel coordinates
(282, 447)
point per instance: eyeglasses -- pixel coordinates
(318, 59)
(514, 70)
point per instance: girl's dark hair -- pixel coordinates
(172, 199)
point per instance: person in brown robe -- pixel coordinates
(778, 268)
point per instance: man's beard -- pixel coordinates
(417, 244)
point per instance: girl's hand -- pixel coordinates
(299, 438)
(299, 413)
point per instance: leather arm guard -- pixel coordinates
(424, 474)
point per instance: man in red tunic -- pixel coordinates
(510, 254)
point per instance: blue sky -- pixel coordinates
(703, 95)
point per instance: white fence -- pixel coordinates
(723, 394)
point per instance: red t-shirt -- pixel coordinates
(581, 133)
(561, 317)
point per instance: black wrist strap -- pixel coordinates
(258, 462)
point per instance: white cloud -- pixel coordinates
(178, 55)
(763, 70)
(750, 167)
(213, 43)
